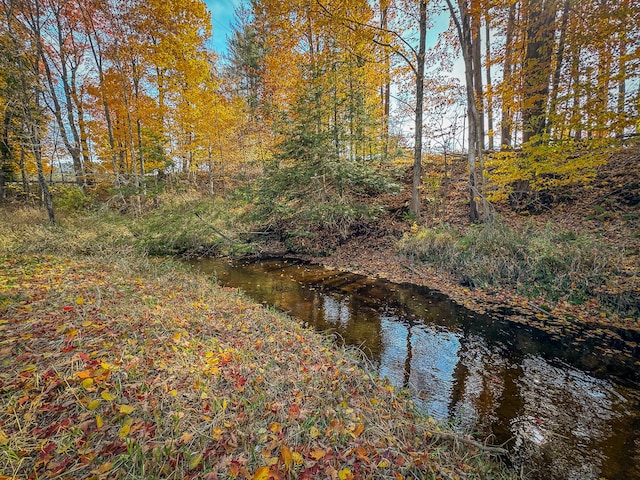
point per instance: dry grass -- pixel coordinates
(116, 366)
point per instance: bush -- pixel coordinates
(70, 198)
(197, 227)
(535, 262)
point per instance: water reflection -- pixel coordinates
(563, 412)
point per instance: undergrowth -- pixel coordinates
(537, 262)
(189, 226)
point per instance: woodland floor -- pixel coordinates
(117, 366)
(607, 208)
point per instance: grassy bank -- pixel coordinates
(549, 264)
(114, 365)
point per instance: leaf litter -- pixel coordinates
(111, 371)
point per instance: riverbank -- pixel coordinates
(114, 365)
(586, 240)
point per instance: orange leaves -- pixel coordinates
(287, 457)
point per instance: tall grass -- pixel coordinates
(538, 262)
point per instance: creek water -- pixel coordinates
(568, 407)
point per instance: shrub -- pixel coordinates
(70, 198)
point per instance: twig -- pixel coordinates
(452, 437)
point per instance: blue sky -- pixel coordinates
(222, 15)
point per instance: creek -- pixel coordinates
(567, 406)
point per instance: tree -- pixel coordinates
(461, 17)
(27, 45)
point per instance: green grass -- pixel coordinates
(537, 262)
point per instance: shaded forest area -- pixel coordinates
(329, 126)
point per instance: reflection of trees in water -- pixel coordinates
(479, 386)
(422, 358)
(566, 420)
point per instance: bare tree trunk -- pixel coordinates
(622, 91)
(576, 118)
(414, 208)
(507, 113)
(96, 50)
(476, 42)
(555, 83)
(489, 86)
(386, 88)
(463, 27)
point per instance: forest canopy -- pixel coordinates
(117, 94)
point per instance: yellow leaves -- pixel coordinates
(93, 404)
(99, 421)
(107, 396)
(80, 301)
(261, 473)
(345, 474)
(314, 432)
(173, 393)
(124, 430)
(217, 433)
(195, 461)
(84, 374)
(105, 467)
(87, 383)
(126, 409)
(4, 440)
(358, 431)
(275, 427)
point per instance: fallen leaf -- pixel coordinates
(107, 396)
(87, 382)
(261, 474)
(99, 421)
(126, 409)
(195, 461)
(124, 431)
(345, 474)
(93, 404)
(286, 457)
(317, 454)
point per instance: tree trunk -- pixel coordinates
(622, 90)
(507, 99)
(463, 27)
(555, 84)
(417, 149)
(537, 72)
(386, 88)
(489, 86)
(476, 60)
